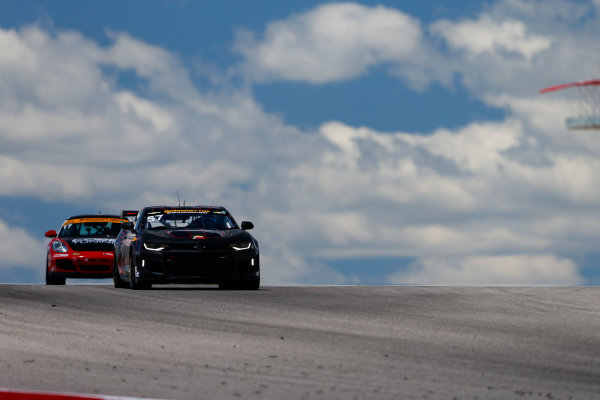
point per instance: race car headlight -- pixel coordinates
(59, 247)
(155, 246)
(241, 246)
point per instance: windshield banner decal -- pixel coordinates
(80, 220)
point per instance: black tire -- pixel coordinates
(134, 283)
(53, 280)
(117, 281)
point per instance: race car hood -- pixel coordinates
(90, 243)
(179, 235)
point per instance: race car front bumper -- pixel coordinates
(198, 266)
(83, 264)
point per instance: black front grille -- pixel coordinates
(66, 265)
(199, 264)
(154, 266)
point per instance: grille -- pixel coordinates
(66, 265)
(200, 264)
(154, 266)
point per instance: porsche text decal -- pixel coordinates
(94, 241)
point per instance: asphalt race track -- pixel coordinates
(369, 342)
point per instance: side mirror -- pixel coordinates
(50, 234)
(128, 226)
(247, 225)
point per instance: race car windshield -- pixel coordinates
(192, 219)
(90, 229)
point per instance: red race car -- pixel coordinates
(83, 248)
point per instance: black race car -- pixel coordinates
(186, 245)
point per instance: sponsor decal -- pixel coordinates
(60, 255)
(187, 211)
(198, 237)
(94, 241)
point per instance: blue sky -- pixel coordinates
(371, 142)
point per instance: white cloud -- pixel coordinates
(331, 42)
(540, 11)
(162, 122)
(20, 249)
(488, 36)
(507, 48)
(508, 40)
(542, 269)
(517, 47)
(446, 194)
